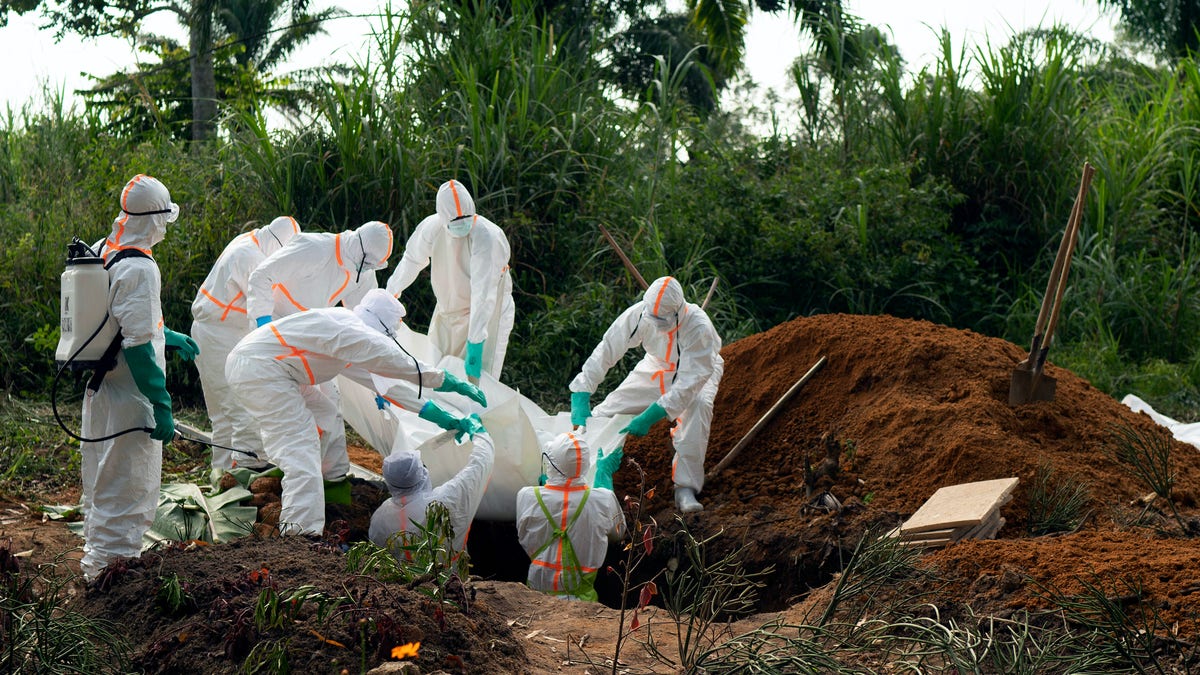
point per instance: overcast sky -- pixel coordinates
(32, 59)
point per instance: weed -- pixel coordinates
(1054, 505)
(1146, 455)
(174, 594)
(699, 592)
(40, 633)
(269, 656)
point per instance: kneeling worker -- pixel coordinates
(276, 370)
(565, 526)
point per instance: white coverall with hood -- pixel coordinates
(468, 258)
(408, 482)
(220, 321)
(121, 476)
(681, 372)
(275, 372)
(565, 526)
(315, 270)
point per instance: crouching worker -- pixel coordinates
(408, 482)
(276, 370)
(565, 526)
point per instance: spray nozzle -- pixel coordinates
(78, 249)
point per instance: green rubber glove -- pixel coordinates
(474, 359)
(641, 424)
(188, 349)
(469, 426)
(152, 382)
(606, 466)
(542, 478)
(452, 383)
(432, 412)
(338, 491)
(581, 407)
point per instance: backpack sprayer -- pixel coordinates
(88, 340)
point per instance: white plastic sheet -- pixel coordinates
(1188, 433)
(518, 426)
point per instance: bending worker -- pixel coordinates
(408, 482)
(565, 526)
(276, 370)
(467, 256)
(220, 321)
(121, 476)
(676, 380)
(315, 270)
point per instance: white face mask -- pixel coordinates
(661, 323)
(459, 227)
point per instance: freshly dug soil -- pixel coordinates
(905, 407)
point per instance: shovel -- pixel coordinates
(1029, 383)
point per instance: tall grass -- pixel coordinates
(938, 194)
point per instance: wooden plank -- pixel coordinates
(954, 506)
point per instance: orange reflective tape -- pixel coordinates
(298, 353)
(457, 206)
(341, 288)
(389, 251)
(129, 186)
(295, 226)
(337, 249)
(231, 307)
(283, 289)
(392, 401)
(553, 566)
(661, 291)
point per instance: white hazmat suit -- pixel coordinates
(220, 321)
(276, 370)
(315, 270)
(411, 491)
(121, 476)
(565, 526)
(678, 377)
(468, 260)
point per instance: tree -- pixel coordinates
(1168, 27)
(93, 18)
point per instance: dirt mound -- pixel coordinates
(905, 406)
(912, 406)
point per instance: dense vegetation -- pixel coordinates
(938, 194)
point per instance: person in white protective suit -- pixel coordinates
(676, 380)
(565, 526)
(315, 270)
(121, 476)
(411, 491)
(275, 372)
(468, 257)
(220, 320)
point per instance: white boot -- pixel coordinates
(685, 500)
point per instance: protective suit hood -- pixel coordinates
(366, 248)
(663, 300)
(146, 208)
(277, 234)
(381, 311)
(566, 459)
(405, 474)
(456, 208)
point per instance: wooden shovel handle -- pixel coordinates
(624, 258)
(1071, 237)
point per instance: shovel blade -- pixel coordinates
(1028, 386)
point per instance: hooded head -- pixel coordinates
(456, 208)
(663, 300)
(276, 235)
(405, 474)
(366, 248)
(380, 310)
(146, 208)
(566, 459)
